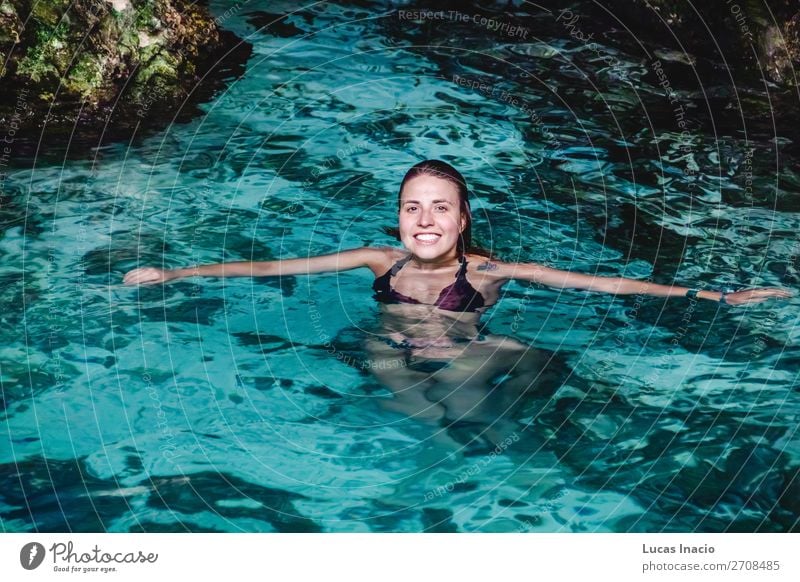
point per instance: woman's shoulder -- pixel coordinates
(382, 258)
(392, 254)
(378, 251)
(491, 267)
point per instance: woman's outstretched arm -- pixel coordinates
(623, 286)
(343, 261)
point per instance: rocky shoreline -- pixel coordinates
(105, 68)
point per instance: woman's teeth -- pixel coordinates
(427, 238)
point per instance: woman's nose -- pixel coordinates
(425, 217)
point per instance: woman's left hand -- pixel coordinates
(756, 296)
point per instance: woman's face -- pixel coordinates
(430, 217)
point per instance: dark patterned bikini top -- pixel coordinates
(458, 296)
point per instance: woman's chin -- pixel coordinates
(427, 247)
(428, 251)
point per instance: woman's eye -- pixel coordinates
(442, 207)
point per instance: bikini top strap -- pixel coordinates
(399, 265)
(463, 270)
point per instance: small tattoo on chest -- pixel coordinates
(487, 266)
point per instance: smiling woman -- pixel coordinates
(435, 227)
(433, 293)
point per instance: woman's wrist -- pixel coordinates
(695, 294)
(171, 274)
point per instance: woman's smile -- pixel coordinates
(427, 238)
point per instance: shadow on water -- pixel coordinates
(64, 496)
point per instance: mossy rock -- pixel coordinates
(101, 58)
(10, 26)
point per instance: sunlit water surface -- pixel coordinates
(215, 405)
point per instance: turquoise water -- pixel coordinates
(215, 404)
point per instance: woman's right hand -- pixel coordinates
(148, 276)
(756, 295)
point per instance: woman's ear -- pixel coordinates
(463, 222)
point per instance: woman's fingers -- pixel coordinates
(136, 276)
(131, 277)
(773, 293)
(757, 295)
(143, 275)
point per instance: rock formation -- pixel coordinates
(94, 61)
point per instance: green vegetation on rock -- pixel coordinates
(91, 54)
